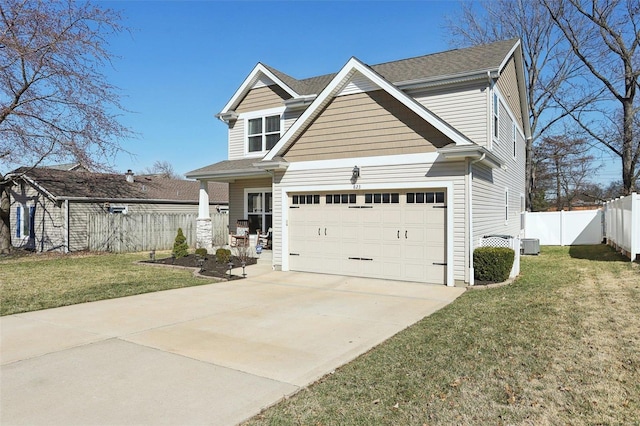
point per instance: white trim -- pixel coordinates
(252, 116)
(514, 140)
(506, 205)
(341, 80)
(245, 201)
(505, 61)
(250, 81)
(284, 214)
(428, 158)
(495, 116)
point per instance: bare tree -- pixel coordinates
(55, 102)
(547, 61)
(163, 169)
(604, 36)
(569, 165)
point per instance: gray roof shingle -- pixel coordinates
(432, 66)
(80, 184)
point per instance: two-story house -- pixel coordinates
(392, 171)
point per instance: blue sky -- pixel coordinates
(184, 60)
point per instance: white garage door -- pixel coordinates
(393, 235)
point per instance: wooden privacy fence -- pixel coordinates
(120, 233)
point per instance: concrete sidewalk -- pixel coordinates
(215, 354)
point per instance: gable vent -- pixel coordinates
(358, 84)
(262, 81)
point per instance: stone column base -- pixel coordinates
(204, 233)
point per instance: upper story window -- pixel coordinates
(514, 137)
(263, 133)
(496, 116)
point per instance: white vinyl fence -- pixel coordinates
(622, 224)
(122, 233)
(562, 228)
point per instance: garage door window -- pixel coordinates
(340, 199)
(425, 197)
(305, 199)
(382, 198)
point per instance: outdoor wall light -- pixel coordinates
(355, 174)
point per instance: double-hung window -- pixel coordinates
(263, 133)
(496, 116)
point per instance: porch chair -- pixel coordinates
(265, 239)
(241, 237)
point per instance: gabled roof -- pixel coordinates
(476, 60)
(340, 81)
(64, 184)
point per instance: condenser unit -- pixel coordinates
(530, 246)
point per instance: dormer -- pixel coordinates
(261, 110)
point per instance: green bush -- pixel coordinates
(202, 252)
(223, 255)
(492, 263)
(180, 246)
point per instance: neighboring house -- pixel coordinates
(50, 206)
(392, 171)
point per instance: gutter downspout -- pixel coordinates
(470, 204)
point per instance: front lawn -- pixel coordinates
(561, 345)
(29, 283)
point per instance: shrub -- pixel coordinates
(492, 263)
(223, 255)
(202, 252)
(180, 246)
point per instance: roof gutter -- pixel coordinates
(218, 176)
(300, 102)
(448, 79)
(476, 152)
(126, 200)
(270, 165)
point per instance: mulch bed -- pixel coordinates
(210, 268)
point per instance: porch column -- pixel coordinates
(204, 231)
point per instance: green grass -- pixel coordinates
(560, 345)
(34, 282)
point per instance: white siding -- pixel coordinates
(464, 108)
(236, 140)
(372, 177)
(489, 186)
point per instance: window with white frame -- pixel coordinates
(496, 116)
(259, 205)
(263, 133)
(506, 205)
(514, 138)
(25, 216)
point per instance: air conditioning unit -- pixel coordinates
(530, 246)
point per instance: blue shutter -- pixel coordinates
(18, 221)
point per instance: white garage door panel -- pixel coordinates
(399, 241)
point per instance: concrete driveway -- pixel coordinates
(215, 354)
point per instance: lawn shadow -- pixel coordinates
(599, 252)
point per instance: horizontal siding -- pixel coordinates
(236, 140)
(364, 124)
(262, 98)
(385, 175)
(488, 186)
(289, 118)
(49, 222)
(464, 108)
(508, 86)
